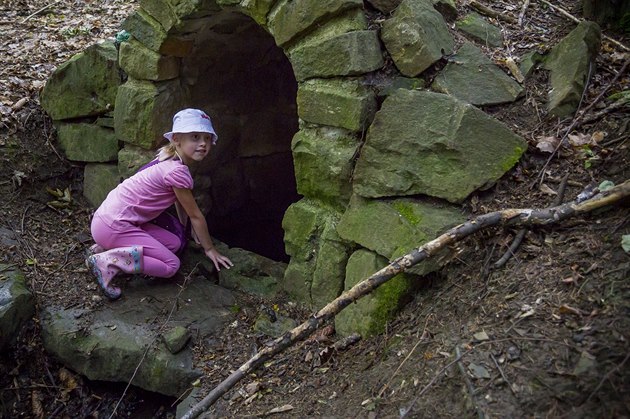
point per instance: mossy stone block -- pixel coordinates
(87, 142)
(338, 103)
(98, 180)
(323, 161)
(347, 54)
(369, 315)
(85, 85)
(292, 18)
(142, 63)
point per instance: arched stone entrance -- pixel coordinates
(245, 82)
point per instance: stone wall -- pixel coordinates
(306, 104)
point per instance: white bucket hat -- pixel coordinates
(191, 120)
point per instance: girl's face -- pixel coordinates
(193, 146)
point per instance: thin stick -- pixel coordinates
(576, 20)
(503, 374)
(39, 11)
(520, 217)
(521, 15)
(490, 12)
(599, 97)
(380, 393)
(520, 235)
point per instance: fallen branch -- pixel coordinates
(513, 217)
(40, 10)
(576, 20)
(520, 235)
(490, 12)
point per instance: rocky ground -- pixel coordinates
(545, 335)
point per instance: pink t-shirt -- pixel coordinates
(145, 195)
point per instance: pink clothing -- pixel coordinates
(123, 219)
(145, 195)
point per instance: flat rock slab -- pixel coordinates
(477, 28)
(17, 304)
(109, 343)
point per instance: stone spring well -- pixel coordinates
(318, 154)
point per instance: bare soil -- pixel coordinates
(544, 336)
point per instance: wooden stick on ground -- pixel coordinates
(490, 12)
(518, 217)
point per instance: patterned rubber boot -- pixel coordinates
(106, 265)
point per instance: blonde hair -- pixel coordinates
(167, 152)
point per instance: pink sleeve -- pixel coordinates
(179, 177)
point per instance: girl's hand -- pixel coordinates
(218, 259)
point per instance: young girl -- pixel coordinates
(125, 237)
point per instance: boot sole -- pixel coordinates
(110, 292)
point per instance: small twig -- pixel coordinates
(503, 374)
(576, 20)
(521, 15)
(469, 384)
(561, 191)
(490, 12)
(510, 251)
(39, 11)
(422, 339)
(607, 376)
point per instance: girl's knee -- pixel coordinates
(172, 266)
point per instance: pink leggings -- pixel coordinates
(158, 244)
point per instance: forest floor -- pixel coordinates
(546, 335)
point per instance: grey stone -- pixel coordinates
(569, 63)
(404, 224)
(131, 158)
(17, 304)
(416, 36)
(529, 61)
(143, 27)
(251, 273)
(348, 54)
(369, 315)
(338, 103)
(142, 63)
(433, 144)
(144, 111)
(473, 78)
(385, 6)
(107, 344)
(276, 328)
(87, 142)
(388, 86)
(480, 30)
(292, 18)
(323, 161)
(98, 180)
(318, 255)
(176, 339)
(85, 85)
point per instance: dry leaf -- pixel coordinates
(565, 309)
(547, 144)
(598, 136)
(579, 139)
(547, 190)
(280, 409)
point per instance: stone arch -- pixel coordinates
(364, 177)
(249, 181)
